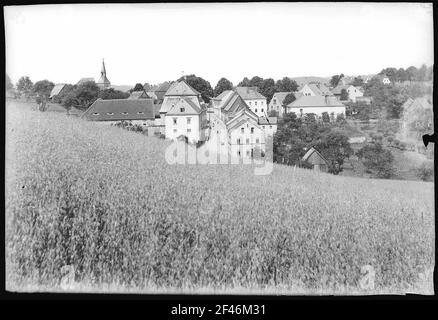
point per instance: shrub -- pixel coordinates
(425, 171)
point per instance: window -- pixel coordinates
(238, 153)
(125, 113)
(257, 140)
(174, 130)
(95, 114)
(262, 109)
(247, 153)
(252, 130)
(255, 110)
(182, 109)
(247, 141)
(174, 120)
(255, 103)
(238, 141)
(140, 112)
(189, 130)
(270, 127)
(110, 113)
(250, 103)
(275, 101)
(242, 130)
(188, 120)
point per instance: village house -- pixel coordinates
(140, 94)
(84, 80)
(183, 112)
(136, 111)
(315, 89)
(256, 101)
(316, 105)
(314, 158)
(276, 103)
(246, 137)
(352, 91)
(57, 90)
(159, 91)
(416, 119)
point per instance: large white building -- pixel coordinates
(255, 100)
(235, 125)
(316, 105)
(182, 112)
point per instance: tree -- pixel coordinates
(334, 146)
(286, 85)
(391, 73)
(412, 73)
(421, 74)
(401, 75)
(334, 81)
(357, 82)
(377, 160)
(147, 87)
(267, 88)
(9, 84)
(325, 117)
(24, 86)
(110, 93)
(199, 84)
(287, 100)
(425, 171)
(43, 88)
(344, 95)
(244, 83)
(137, 87)
(222, 85)
(82, 96)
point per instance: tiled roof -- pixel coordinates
(185, 104)
(120, 109)
(164, 86)
(138, 95)
(57, 89)
(268, 120)
(320, 89)
(315, 101)
(83, 80)
(249, 93)
(280, 97)
(310, 152)
(181, 88)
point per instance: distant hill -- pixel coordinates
(304, 80)
(124, 88)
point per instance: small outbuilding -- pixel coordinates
(316, 160)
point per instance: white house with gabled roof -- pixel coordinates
(255, 100)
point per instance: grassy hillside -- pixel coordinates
(105, 201)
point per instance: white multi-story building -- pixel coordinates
(182, 112)
(255, 101)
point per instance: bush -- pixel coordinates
(425, 171)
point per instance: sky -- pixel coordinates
(159, 42)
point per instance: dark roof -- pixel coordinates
(83, 80)
(268, 120)
(120, 109)
(164, 86)
(319, 159)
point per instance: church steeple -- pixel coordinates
(103, 81)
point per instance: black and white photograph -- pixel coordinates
(255, 149)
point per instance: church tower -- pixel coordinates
(103, 82)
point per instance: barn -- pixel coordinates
(316, 159)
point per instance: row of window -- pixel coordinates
(248, 152)
(175, 120)
(112, 113)
(247, 141)
(255, 103)
(255, 110)
(188, 130)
